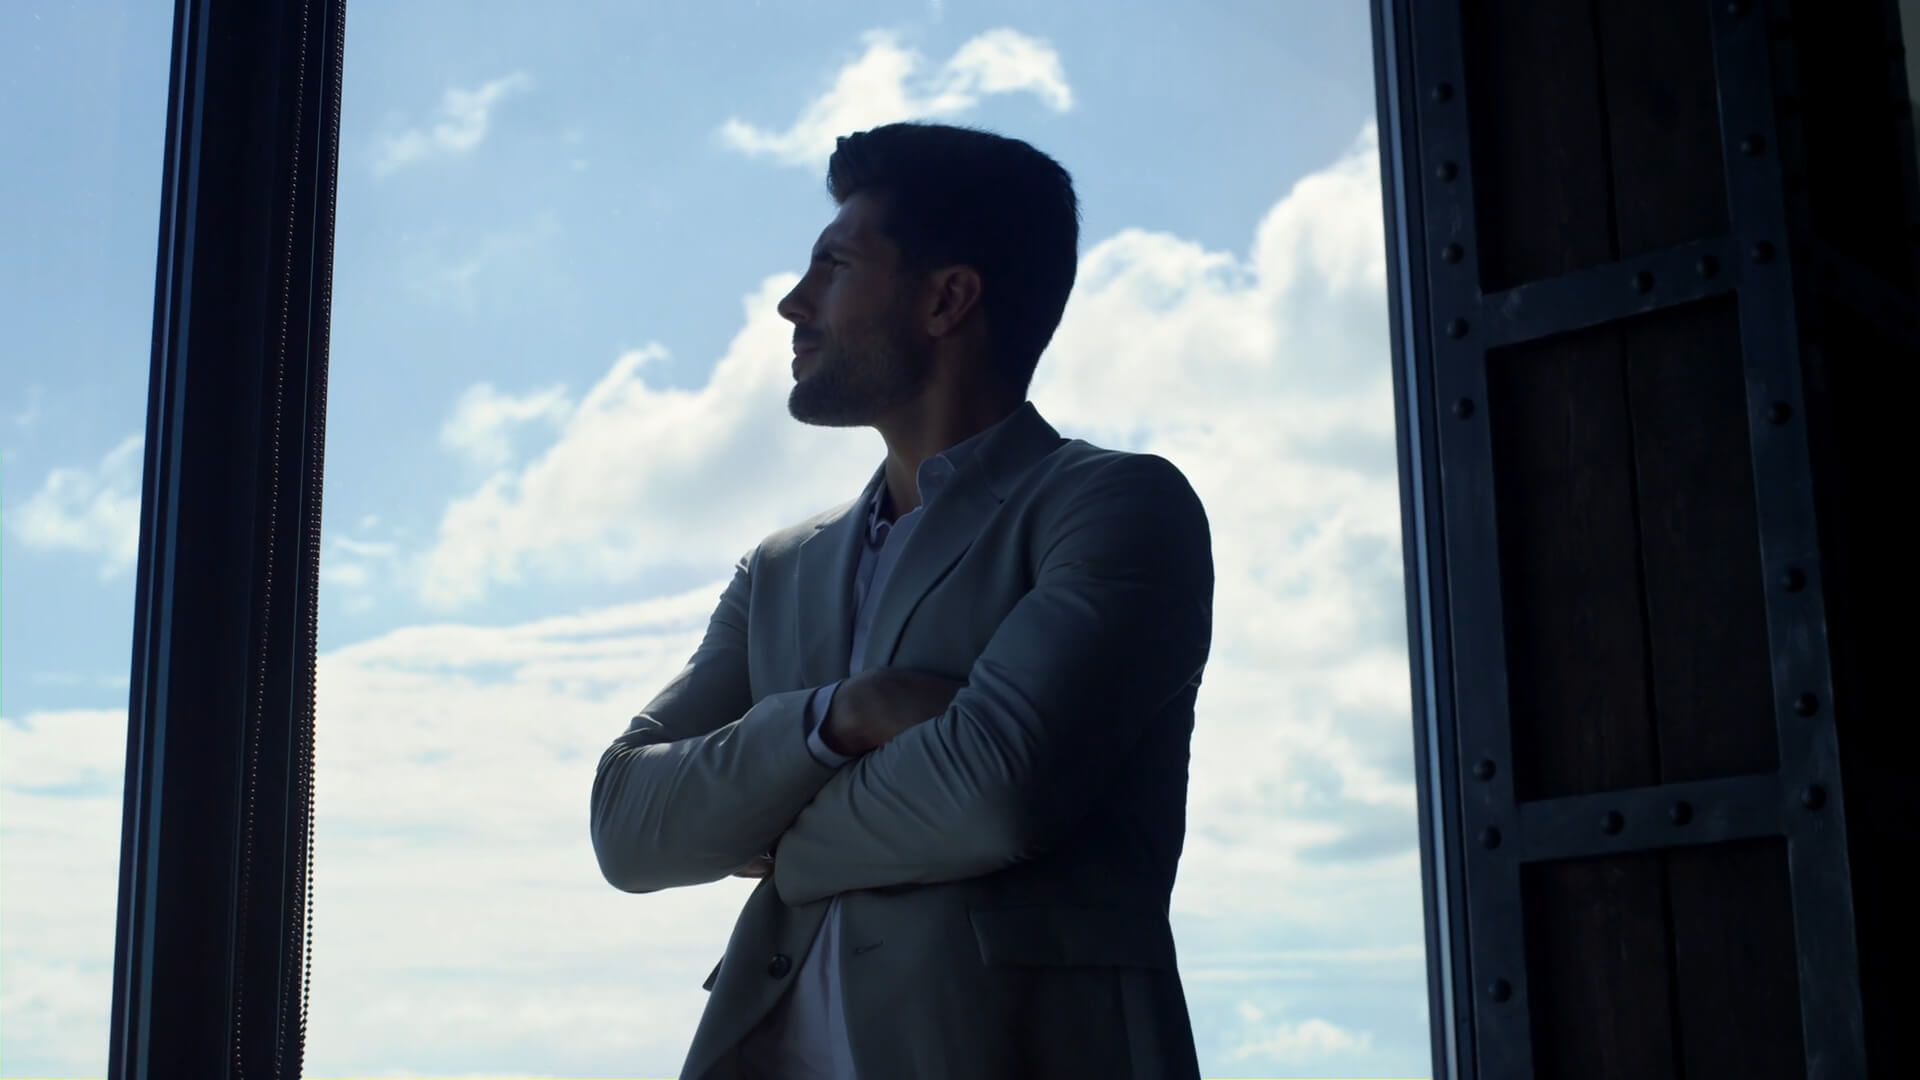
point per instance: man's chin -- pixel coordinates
(804, 407)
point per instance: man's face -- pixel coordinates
(857, 353)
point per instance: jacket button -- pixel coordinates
(779, 966)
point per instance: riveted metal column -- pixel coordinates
(1474, 882)
(1809, 773)
(1495, 961)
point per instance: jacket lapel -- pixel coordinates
(823, 590)
(953, 521)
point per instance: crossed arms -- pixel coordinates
(1118, 623)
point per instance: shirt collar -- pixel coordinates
(934, 475)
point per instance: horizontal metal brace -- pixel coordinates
(1651, 818)
(1665, 278)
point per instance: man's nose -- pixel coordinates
(793, 309)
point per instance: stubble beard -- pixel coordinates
(855, 386)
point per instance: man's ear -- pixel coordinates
(955, 295)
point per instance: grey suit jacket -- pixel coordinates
(1005, 868)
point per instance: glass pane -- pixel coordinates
(558, 416)
(80, 162)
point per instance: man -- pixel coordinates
(948, 722)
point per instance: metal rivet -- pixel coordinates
(779, 966)
(1456, 328)
(1779, 412)
(1707, 266)
(1806, 704)
(1447, 170)
(1443, 92)
(1500, 990)
(1737, 7)
(1762, 252)
(1463, 408)
(1452, 253)
(1483, 769)
(1753, 145)
(1813, 796)
(1489, 838)
(1611, 822)
(1680, 813)
(1793, 580)
(1642, 282)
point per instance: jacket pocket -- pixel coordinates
(1067, 936)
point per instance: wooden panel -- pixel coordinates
(1629, 554)
(1733, 963)
(1539, 148)
(1662, 123)
(1570, 569)
(1707, 629)
(1598, 970)
(1595, 130)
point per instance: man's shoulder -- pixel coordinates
(1081, 467)
(788, 538)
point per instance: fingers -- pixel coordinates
(760, 866)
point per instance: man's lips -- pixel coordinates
(800, 356)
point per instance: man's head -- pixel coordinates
(949, 263)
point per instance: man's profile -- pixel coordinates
(948, 722)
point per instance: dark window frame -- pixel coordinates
(209, 960)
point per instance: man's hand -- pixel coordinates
(760, 866)
(870, 708)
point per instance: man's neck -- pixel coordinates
(913, 438)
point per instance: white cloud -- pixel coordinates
(888, 82)
(484, 419)
(461, 124)
(455, 758)
(1307, 1041)
(354, 571)
(610, 497)
(94, 511)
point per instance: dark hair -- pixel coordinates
(953, 195)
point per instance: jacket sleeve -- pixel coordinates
(1118, 623)
(704, 779)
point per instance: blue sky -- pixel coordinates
(557, 415)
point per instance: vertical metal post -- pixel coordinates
(1809, 776)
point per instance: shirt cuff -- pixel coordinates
(815, 713)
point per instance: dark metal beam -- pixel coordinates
(1770, 335)
(1650, 818)
(216, 825)
(1583, 299)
